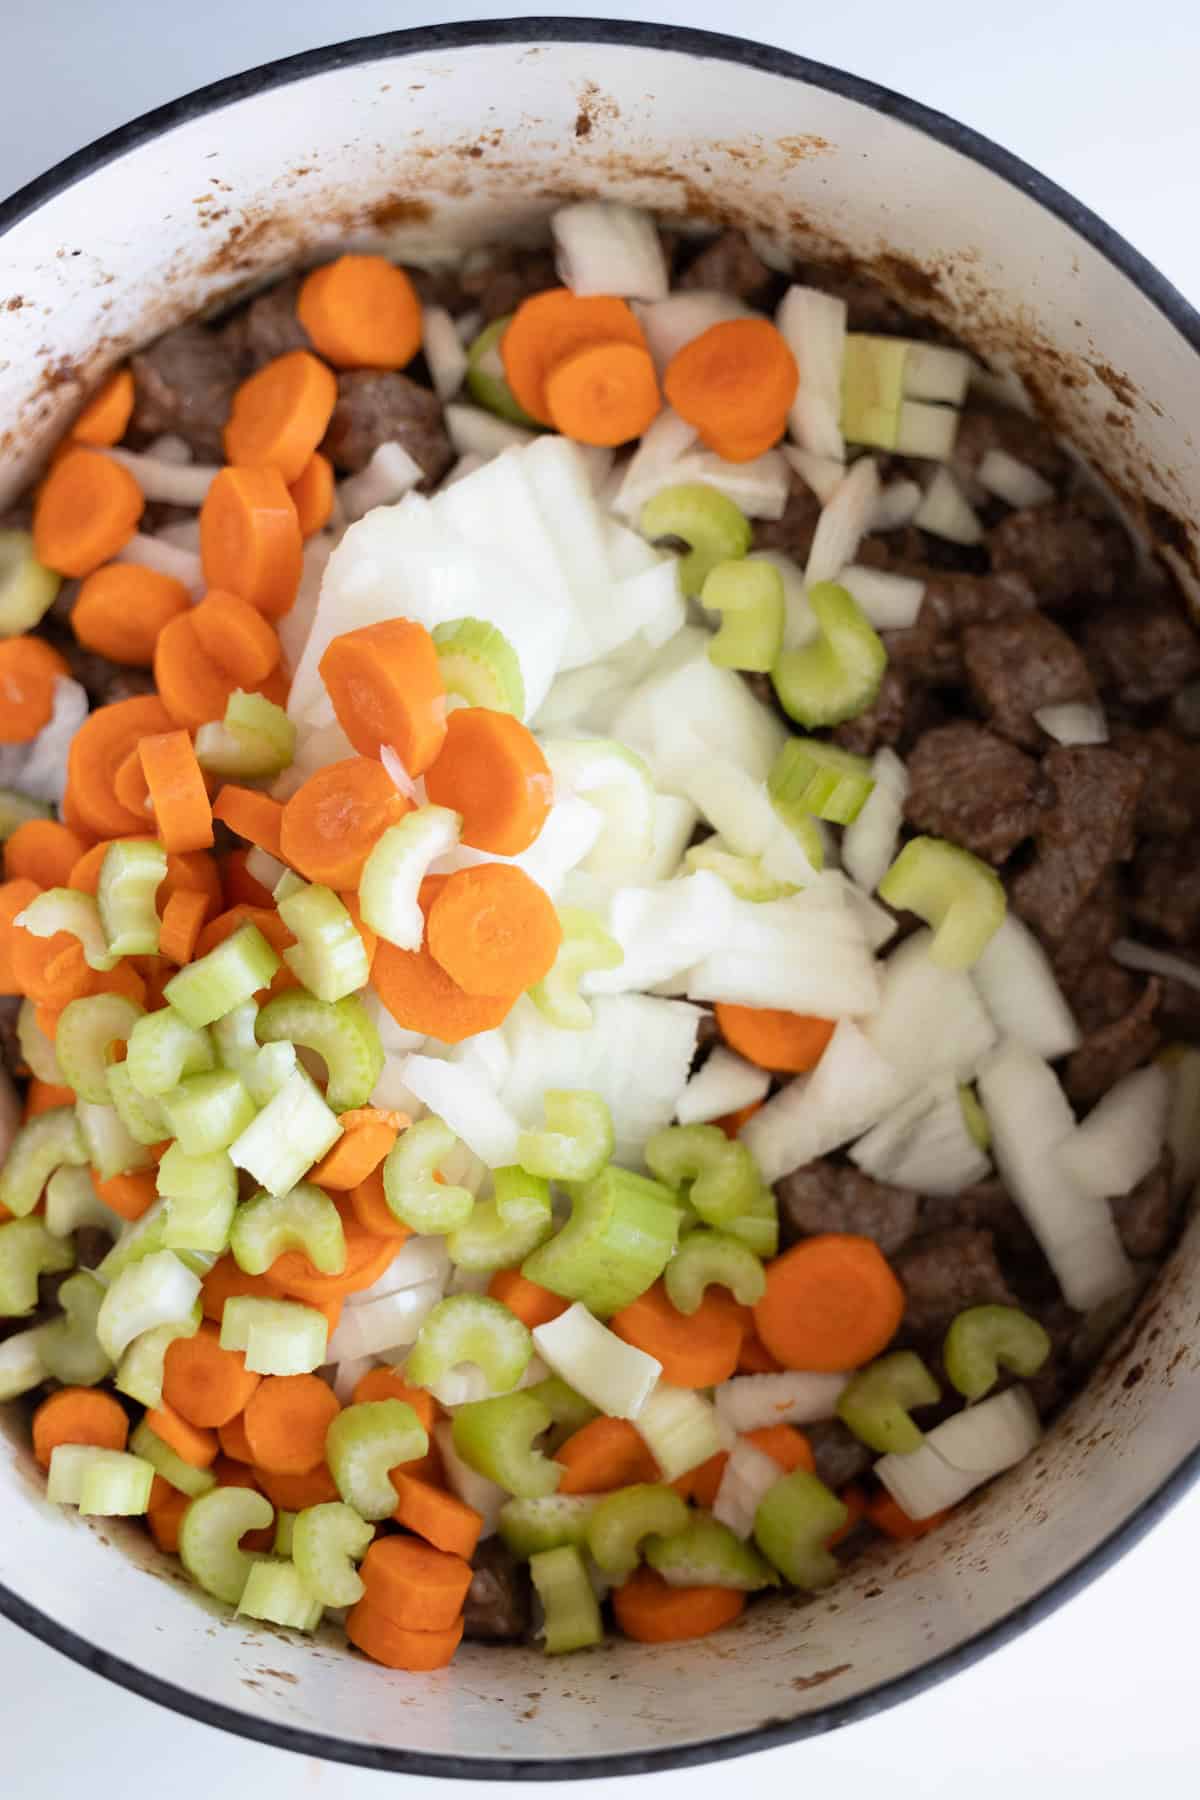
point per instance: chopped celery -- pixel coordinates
(712, 1256)
(470, 1328)
(326, 1542)
(155, 1290)
(749, 598)
(680, 1429)
(329, 956)
(793, 1525)
(417, 1199)
(341, 1032)
(615, 1376)
(497, 1438)
(486, 380)
(206, 1112)
(43, 1144)
(285, 1530)
(27, 1250)
(65, 909)
(984, 1339)
(27, 587)
(585, 945)
(528, 1526)
(209, 1536)
(363, 1443)
(975, 1119)
(201, 1193)
(838, 675)
(162, 1049)
(572, 1612)
(263, 1067)
(129, 879)
(577, 1142)
(87, 1030)
(21, 1365)
(256, 739)
(712, 527)
(708, 1554)
(140, 1114)
(68, 1345)
(279, 1337)
(745, 875)
(142, 1238)
(480, 665)
(501, 1231)
(810, 777)
(621, 1521)
(960, 896)
(724, 1180)
(276, 1591)
(37, 1049)
(140, 1371)
(111, 1149)
(618, 783)
(873, 389)
(569, 1410)
(615, 1245)
(116, 1485)
(209, 988)
(72, 1202)
(876, 1403)
(303, 1219)
(290, 1134)
(18, 809)
(398, 864)
(183, 1476)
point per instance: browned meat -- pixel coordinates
(931, 650)
(1068, 551)
(1099, 993)
(793, 533)
(1146, 1217)
(945, 1272)
(382, 407)
(1114, 1050)
(828, 1196)
(1166, 887)
(883, 722)
(761, 686)
(184, 385)
(499, 283)
(1016, 665)
(870, 306)
(1179, 1010)
(10, 1048)
(837, 1453)
(727, 266)
(441, 287)
(1099, 921)
(988, 1206)
(1141, 651)
(267, 327)
(983, 428)
(91, 1246)
(497, 1604)
(1169, 803)
(975, 789)
(1089, 827)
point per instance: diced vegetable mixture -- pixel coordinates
(600, 856)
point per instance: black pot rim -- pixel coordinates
(1171, 303)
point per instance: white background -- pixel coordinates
(1102, 97)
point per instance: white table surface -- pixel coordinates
(1102, 97)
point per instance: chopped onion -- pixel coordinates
(896, 506)
(419, 1261)
(443, 350)
(800, 621)
(466, 465)
(38, 769)
(947, 513)
(749, 1402)
(930, 1021)
(264, 868)
(170, 449)
(685, 697)
(759, 488)
(679, 1428)
(154, 553)
(671, 323)
(889, 602)
(296, 623)
(388, 1324)
(814, 327)
(468, 325)
(924, 1144)
(462, 1097)
(486, 1051)
(1012, 480)
(606, 248)
(827, 972)
(1073, 722)
(660, 448)
(663, 930)
(402, 781)
(851, 1088)
(615, 1376)
(168, 482)
(390, 474)
(747, 1476)
(675, 819)
(723, 1084)
(472, 430)
(820, 473)
(877, 924)
(1018, 985)
(475, 1490)
(869, 842)
(933, 372)
(1155, 962)
(345, 1376)
(183, 534)
(1122, 1138)
(844, 520)
(962, 1453)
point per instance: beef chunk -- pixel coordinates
(10, 1048)
(727, 266)
(983, 428)
(1089, 827)
(793, 533)
(1146, 1216)
(184, 385)
(946, 1271)
(1099, 993)
(383, 407)
(1016, 665)
(1166, 887)
(988, 1206)
(1169, 804)
(1097, 924)
(975, 789)
(1142, 651)
(1114, 1050)
(827, 1196)
(882, 722)
(497, 1606)
(267, 327)
(498, 283)
(1179, 1009)
(442, 286)
(1069, 550)
(837, 1453)
(931, 650)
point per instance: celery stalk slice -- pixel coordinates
(793, 1525)
(140, 1114)
(470, 1328)
(140, 1371)
(65, 909)
(585, 946)
(152, 1291)
(290, 1134)
(616, 1244)
(162, 1049)
(27, 587)
(501, 1231)
(111, 1149)
(363, 1443)
(708, 1554)
(985, 1339)
(201, 1194)
(810, 777)
(206, 990)
(329, 956)
(876, 1403)
(706, 1258)
(393, 873)
(723, 1177)
(279, 1337)
(712, 527)
(572, 1612)
(326, 1542)
(497, 1438)
(838, 675)
(341, 1032)
(480, 665)
(486, 381)
(129, 878)
(745, 875)
(418, 1201)
(749, 598)
(69, 1345)
(87, 1030)
(183, 1476)
(680, 1428)
(276, 1591)
(303, 1219)
(27, 1250)
(528, 1526)
(622, 1521)
(954, 892)
(577, 1142)
(207, 1112)
(72, 1202)
(209, 1536)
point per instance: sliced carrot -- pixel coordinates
(384, 1383)
(445, 1521)
(331, 824)
(43, 1096)
(207, 1385)
(731, 1123)
(784, 1445)
(367, 1257)
(104, 419)
(277, 686)
(52, 969)
(367, 1136)
(225, 1281)
(553, 326)
(414, 1585)
(888, 1516)
(369, 1206)
(286, 1419)
(196, 1446)
(370, 939)
(268, 922)
(250, 541)
(696, 1350)
(700, 1484)
(755, 1359)
(253, 816)
(421, 996)
(97, 751)
(194, 689)
(85, 872)
(312, 494)
(361, 312)
(603, 1455)
(78, 1415)
(87, 509)
(605, 394)
(129, 1195)
(122, 608)
(532, 1304)
(786, 1043)
(182, 919)
(192, 872)
(15, 896)
(29, 672)
(239, 886)
(164, 1515)
(280, 414)
(493, 929)
(293, 1493)
(396, 1648)
(129, 785)
(650, 1611)
(233, 1440)
(42, 851)
(178, 795)
(386, 687)
(733, 382)
(491, 770)
(831, 1303)
(236, 636)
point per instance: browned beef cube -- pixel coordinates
(1015, 666)
(1080, 837)
(727, 266)
(972, 787)
(1142, 650)
(383, 407)
(1165, 894)
(827, 1196)
(945, 1272)
(1114, 1050)
(184, 385)
(931, 650)
(1069, 550)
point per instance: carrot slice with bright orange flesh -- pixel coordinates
(286, 1419)
(53, 969)
(312, 494)
(888, 1516)
(225, 1281)
(129, 785)
(492, 771)
(732, 380)
(233, 1441)
(414, 1585)
(386, 687)
(532, 1304)
(42, 1096)
(417, 1652)
(369, 1206)
(696, 1350)
(175, 782)
(164, 1515)
(650, 1611)
(384, 1383)
(29, 672)
(77, 1415)
(831, 1303)
(253, 816)
(755, 1359)
(104, 419)
(43, 851)
(367, 1257)
(493, 929)
(331, 824)
(280, 414)
(731, 1123)
(421, 996)
(553, 326)
(86, 510)
(204, 1383)
(196, 1444)
(604, 1455)
(784, 1445)
(121, 609)
(367, 1136)
(182, 919)
(194, 689)
(701, 1484)
(605, 394)
(787, 1043)
(250, 541)
(292, 1493)
(361, 312)
(15, 896)
(128, 1195)
(440, 1518)
(236, 636)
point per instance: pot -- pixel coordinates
(463, 134)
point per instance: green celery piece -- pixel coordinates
(326, 1542)
(985, 1339)
(528, 1526)
(303, 1219)
(679, 1428)
(838, 675)
(285, 1530)
(623, 1520)
(21, 1365)
(585, 945)
(363, 1443)
(72, 1202)
(569, 1411)
(707, 1554)
(87, 1029)
(276, 1591)
(954, 892)
(68, 1345)
(745, 875)
(876, 1403)
(873, 389)
(497, 1438)
(724, 1180)
(974, 1118)
(116, 1485)
(140, 1114)
(162, 1049)
(207, 1112)
(27, 587)
(706, 1257)
(140, 1371)
(499, 1232)
(389, 887)
(578, 1139)
(480, 665)
(486, 381)
(111, 1149)
(65, 909)
(749, 598)
(418, 1201)
(470, 1328)
(142, 1238)
(184, 1477)
(256, 739)
(209, 1536)
(572, 1612)
(263, 1067)
(201, 1194)
(712, 527)
(64, 1478)
(235, 971)
(793, 1525)
(758, 1228)
(154, 1290)
(615, 1245)
(329, 956)
(290, 1134)
(278, 1337)
(37, 1050)
(341, 1032)
(18, 809)
(810, 777)
(129, 878)
(27, 1250)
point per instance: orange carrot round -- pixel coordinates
(280, 414)
(549, 328)
(421, 996)
(784, 1445)
(368, 1203)
(238, 886)
(129, 785)
(386, 687)
(733, 382)
(731, 1123)
(786, 1043)
(250, 540)
(233, 1441)
(52, 969)
(755, 1359)
(292, 1493)
(15, 896)
(230, 1473)
(650, 1611)
(286, 1419)
(414, 1585)
(253, 816)
(888, 1516)
(97, 751)
(331, 824)
(236, 636)
(367, 1136)
(121, 609)
(367, 1257)
(175, 782)
(78, 1415)
(492, 771)
(129, 1195)
(29, 672)
(603, 1455)
(194, 689)
(361, 312)
(701, 1484)
(312, 494)
(493, 929)
(182, 920)
(225, 1281)
(164, 1514)
(205, 1384)
(86, 510)
(440, 1518)
(386, 1383)
(106, 416)
(696, 1350)
(606, 394)
(42, 851)
(42, 1096)
(832, 1303)
(417, 1652)
(194, 1443)
(532, 1304)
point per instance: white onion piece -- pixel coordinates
(745, 1480)
(487, 1052)
(465, 1100)
(947, 513)
(568, 835)
(466, 465)
(796, 1397)
(1073, 722)
(679, 1428)
(390, 1092)
(1183, 1120)
(934, 372)
(606, 248)
(661, 446)
(155, 553)
(663, 930)
(418, 1261)
(296, 623)
(671, 323)
(344, 1377)
(930, 1021)
(723, 1084)
(896, 506)
(824, 976)
(800, 621)
(39, 769)
(168, 482)
(759, 488)
(849, 1090)
(443, 350)
(844, 520)
(396, 1039)
(819, 473)
(392, 1323)
(814, 327)
(264, 868)
(962, 1453)
(877, 924)
(890, 602)
(461, 1167)
(390, 474)
(468, 325)
(1018, 986)
(473, 431)
(615, 1376)
(1155, 962)
(924, 1144)
(472, 1488)
(1012, 480)
(182, 534)
(170, 449)
(675, 819)
(869, 842)
(401, 780)
(684, 697)
(1122, 1137)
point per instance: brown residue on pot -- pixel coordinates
(802, 1683)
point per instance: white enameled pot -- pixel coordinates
(465, 134)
